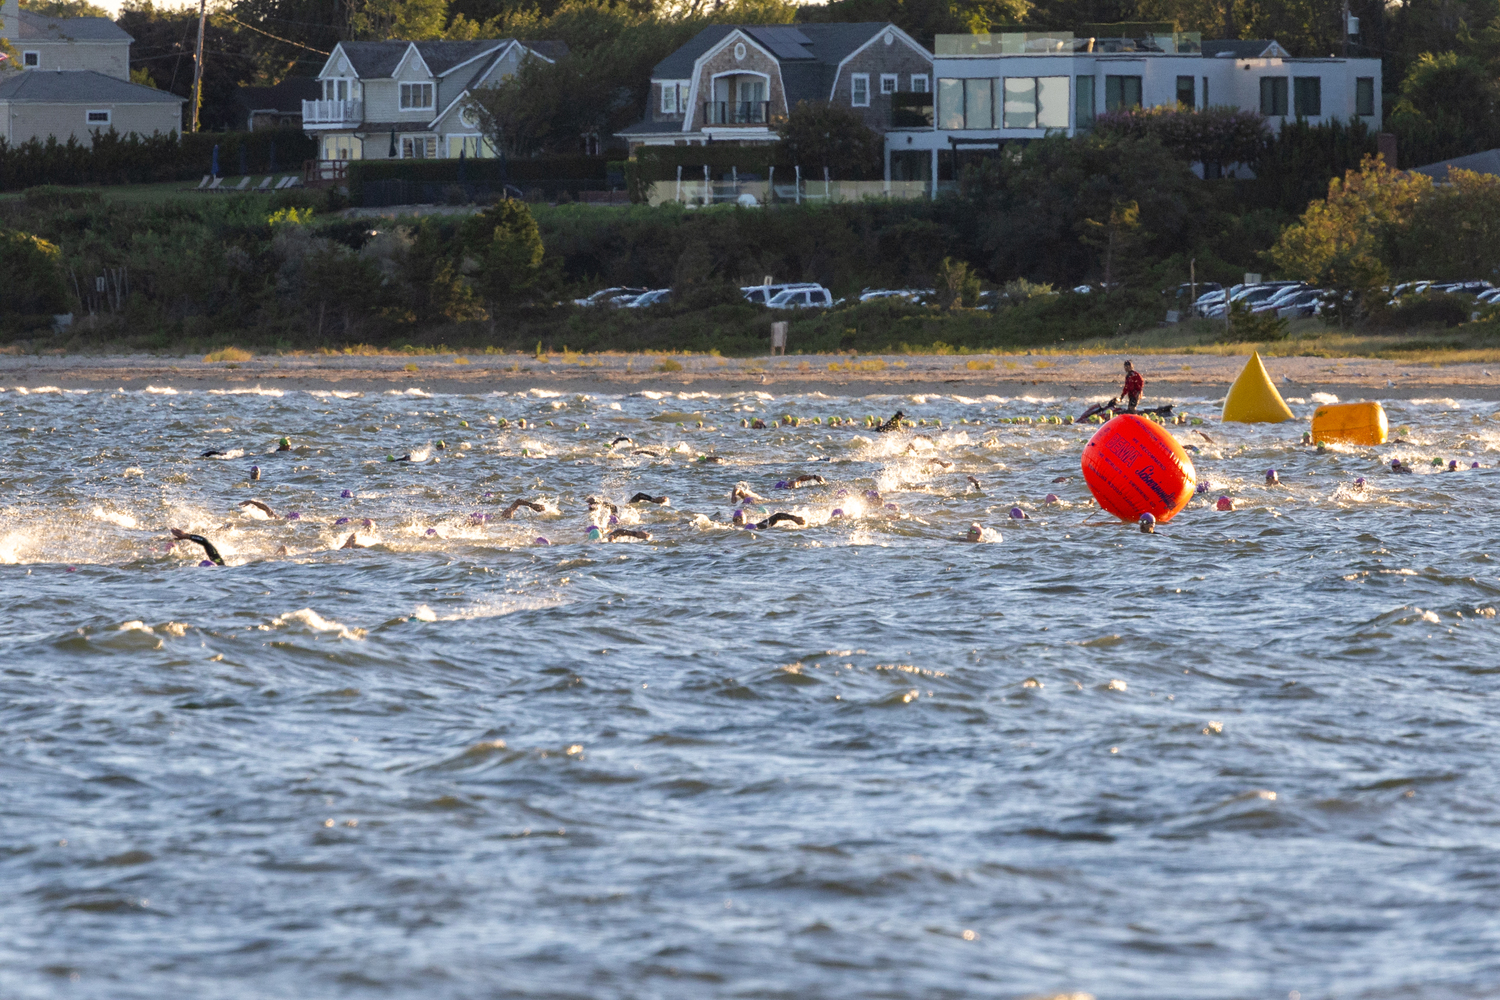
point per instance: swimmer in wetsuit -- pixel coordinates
(208, 547)
(780, 517)
(258, 505)
(809, 480)
(619, 533)
(893, 424)
(648, 498)
(510, 511)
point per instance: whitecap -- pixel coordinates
(1434, 402)
(1324, 398)
(137, 627)
(155, 390)
(548, 394)
(310, 619)
(39, 390)
(122, 520)
(256, 391)
(648, 394)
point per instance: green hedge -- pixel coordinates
(660, 163)
(136, 159)
(476, 171)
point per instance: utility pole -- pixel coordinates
(198, 64)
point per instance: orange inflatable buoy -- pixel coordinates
(1350, 423)
(1134, 467)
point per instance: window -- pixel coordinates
(416, 96)
(1122, 93)
(950, 104)
(1205, 92)
(1364, 95)
(418, 147)
(669, 98)
(1083, 101)
(1307, 92)
(919, 83)
(1185, 91)
(859, 85)
(98, 117)
(1036, 102)
(1273, 95)
(31, 60)
(343, 90)
(979, 104)
(888, 83)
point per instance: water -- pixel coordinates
(1254, 755)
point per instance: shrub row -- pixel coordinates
(136, 159)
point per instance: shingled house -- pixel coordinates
(406, 99)
(732, 81)
(71, 78)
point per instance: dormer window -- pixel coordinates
(31, 60)
(416, 96)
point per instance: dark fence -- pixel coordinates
(389, 193)
(382, 183)
(113, 158)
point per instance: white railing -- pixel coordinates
(331, 112)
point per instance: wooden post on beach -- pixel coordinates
(778, 337)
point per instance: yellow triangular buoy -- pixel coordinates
(1253, 398)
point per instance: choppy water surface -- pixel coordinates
(1250, 755)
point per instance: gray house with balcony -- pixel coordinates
(732, 81)
(407, 99)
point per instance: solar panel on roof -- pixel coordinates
(784, 42)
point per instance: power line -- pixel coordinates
(278, 38)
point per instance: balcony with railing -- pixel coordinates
(911, 109)
(333, 112)
(736, 112)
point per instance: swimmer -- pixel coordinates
(1400, 469)
(622, 439)
(208, 547)
(893, 424)
(780, 517)
(1018, 514)
(710, 459)
(1224, 503)
(510, 511)
(284, 444)
(1453, 465)
(1147, 523)
(258, 505)
(352, 542)
(1272, 479)
(619, 533)
(647, 498)
(743, 492)
(977, 533)
(1359, 484)
(595, 503)
(1205, 437)
(213, 453)
(976, 484)
(758, 425)
(940, 463)
(254, 472)
(801, 481)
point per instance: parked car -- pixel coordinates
(1251, 295)
(659, 296)
(609, 296)
(910, 294)
(1276, 300)
(1307, 302)
(762, 294)
(816, 297)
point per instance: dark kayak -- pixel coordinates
(1113, 409)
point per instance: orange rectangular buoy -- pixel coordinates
(1349, 423)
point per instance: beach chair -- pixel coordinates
(244, 183)
(293, 182)
(203, 184)
(215, 185)
(265, 185)
(285, 182)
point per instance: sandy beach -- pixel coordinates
(1167, 375)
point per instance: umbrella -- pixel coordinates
(215, 170)
(392, 153)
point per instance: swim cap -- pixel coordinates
(367, 523)
(541, 541)
(1395, 463)
(1453, 465)
(206, 562)
(613, 520)
(781, 484)
(1474, 465)
(294, 515)
(254, 472)
(1272, 477)
(1202, 486)
(431, 532)
(1359, 483)
(285, 442)
(975, 532)
(342, 520)
(347, 495)
(842, 493)
(1224, 504)
(1148, 524)
(871, 495)
(837, 513)
(1050, 498)
(594, 534)
(1018, 514)
(1436, 460)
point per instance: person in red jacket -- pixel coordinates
(1133, 387)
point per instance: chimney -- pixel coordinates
(10, 20)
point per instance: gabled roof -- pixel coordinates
(285, 97)
(372, 60)
(79, 86)
(1253, 48)
(1487, 162)
(42, 28)
(822, 44)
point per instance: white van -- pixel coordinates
(815, 297)
(762, 294)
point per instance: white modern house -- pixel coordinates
(993, 89)
(406, 99)
(70, 78)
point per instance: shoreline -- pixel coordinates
(1074, 375)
